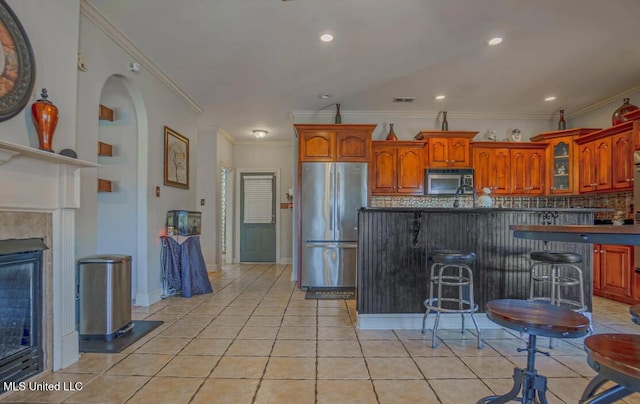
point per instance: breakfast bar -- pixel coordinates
(394, 243)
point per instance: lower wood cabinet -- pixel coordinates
(613, 272)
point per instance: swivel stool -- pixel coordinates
(535, 319)
(450, 270)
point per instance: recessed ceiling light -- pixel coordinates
(325, 96)
(495, 41)
(440, 97)
(552, 98)
(327, 37)
(260, 133)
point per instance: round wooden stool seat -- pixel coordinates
(616, 358)
(635, 313)
(538, 318)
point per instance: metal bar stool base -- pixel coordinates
(526, 380)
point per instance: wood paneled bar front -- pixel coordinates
(394, 243)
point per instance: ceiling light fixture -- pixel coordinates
(495, 41)
(260, 133)
(440, 97)
(552, 98)
(325, 96)
(326, 37)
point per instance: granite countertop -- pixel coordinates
(484, 210)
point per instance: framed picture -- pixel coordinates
(176, 159)
(19, 72)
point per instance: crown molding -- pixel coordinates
(306, 114)
(103, 23)
(605, 101)
(226, 135)
(265, 142)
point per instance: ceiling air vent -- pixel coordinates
(404, 99)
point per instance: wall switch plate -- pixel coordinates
(202, 202)
(158, 191)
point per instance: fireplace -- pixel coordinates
(21, 309)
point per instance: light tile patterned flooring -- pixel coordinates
(257, 340)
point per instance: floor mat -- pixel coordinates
(139, 330)
(331, 293)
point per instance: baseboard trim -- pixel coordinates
(148, 299)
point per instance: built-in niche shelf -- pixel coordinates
(105, 149)
(9, 150)
(105, 113)
(104, 185)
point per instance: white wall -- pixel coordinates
(207, 187)
(276, 155)
(601, 117)
(52, 29)
(156, 106)
(117, 214)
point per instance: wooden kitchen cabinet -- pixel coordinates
(492, 167)
(448, 148)
(562, 159)
(397, 167)
(527, 170)
(606, 159)
(622, 160)
(613, 272)
(595, 165)
(334, 142)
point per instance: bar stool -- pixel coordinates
(535, 319)
(616, 358)
(450, 269)
(557, 270)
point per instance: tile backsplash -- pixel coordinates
(619, 201)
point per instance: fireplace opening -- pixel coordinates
(21, 309)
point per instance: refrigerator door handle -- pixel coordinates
(331, 244)
(331, 202)
(337, 213)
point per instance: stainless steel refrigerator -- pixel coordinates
(331, 194)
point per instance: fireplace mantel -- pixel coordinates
(9, 150)
(38, 181)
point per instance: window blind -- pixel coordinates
(258, 198)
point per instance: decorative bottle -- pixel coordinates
(45, 119)
(617, 116)
(445, 123)
(562, 125)
(392, 134)
(338, 118)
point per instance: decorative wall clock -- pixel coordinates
(17, 63)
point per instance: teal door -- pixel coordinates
(257, 217)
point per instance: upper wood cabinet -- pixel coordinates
(448, 149)
(492, 167)
(397, 167)
(622, 160)
(527, 170)
(606, 157)
(562, 159)
(334, 142)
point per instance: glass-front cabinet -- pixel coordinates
(562, 157)
(562, 167)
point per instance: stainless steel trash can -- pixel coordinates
(103, 295)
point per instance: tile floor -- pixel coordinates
(257, 340)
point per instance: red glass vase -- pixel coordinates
(45, 119)
(618, 114)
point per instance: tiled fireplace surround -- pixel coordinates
(38, 198)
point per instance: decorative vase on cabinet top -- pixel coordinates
(617, 116)
(392, 134)
(445, 123)
(562, 125)
(45, 119)
(338, 118)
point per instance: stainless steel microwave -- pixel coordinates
(446, 181)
